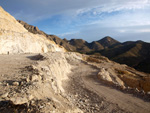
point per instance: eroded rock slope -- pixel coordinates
(14, 38)
(37, 87)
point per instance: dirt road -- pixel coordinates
(84, 78)
(11, 68)
(83, 88)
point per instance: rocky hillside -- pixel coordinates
(54, 38)
(78, 45)
(135, 54)
(14, 38)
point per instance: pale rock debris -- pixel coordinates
(4, 95)
(16, 83)
(104, 75)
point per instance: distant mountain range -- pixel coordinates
(133, 53)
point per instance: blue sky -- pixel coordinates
(87, 19)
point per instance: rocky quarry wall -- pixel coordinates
(14, 38)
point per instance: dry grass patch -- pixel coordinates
(121, 72)
(91, 59)
(96, 59)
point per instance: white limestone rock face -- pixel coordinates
(57, 69)
(14, 38)
(104, 75)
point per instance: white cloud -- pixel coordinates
(47, 8)
(67, 33)
(133, 30)
(122, 30)
(111, 6)
(89, 19)
(143, 31)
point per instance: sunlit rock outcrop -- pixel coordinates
(14, 38)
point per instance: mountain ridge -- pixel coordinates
(79, 45)
(133, 53)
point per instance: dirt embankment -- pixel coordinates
(33, 83)
(92, 95)
(120, 75)
(62, 82)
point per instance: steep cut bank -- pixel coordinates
(35, 83)
(14, 38)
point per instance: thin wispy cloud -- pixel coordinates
(87, 19)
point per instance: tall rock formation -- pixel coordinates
(14, 38)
